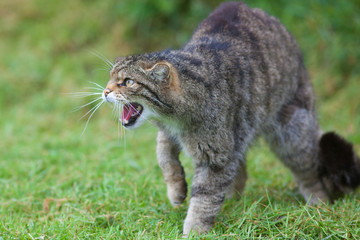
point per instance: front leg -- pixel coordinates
(167, 151)
(210, 184)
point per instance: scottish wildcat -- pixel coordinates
(240, 76)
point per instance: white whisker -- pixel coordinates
(86, 95)
(78, 108)
(101, 69)
(95, 108)
(114, 111)
(123, 129)
(91, 109)
(106, 61)
(95, 88)
(119, 120)
(83, 93)
(97, 85)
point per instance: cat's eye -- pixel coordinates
(128, 82)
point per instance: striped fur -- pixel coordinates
(240, 76)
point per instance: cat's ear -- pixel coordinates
(160, 71)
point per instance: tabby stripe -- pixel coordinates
(189, 59)
(194, 76)
(152, 100)
(156, 100)
(148, 89)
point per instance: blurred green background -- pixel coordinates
(45, 52)
(45, 46)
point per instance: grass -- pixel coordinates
(58, 184)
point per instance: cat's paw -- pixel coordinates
(314, 194)
(176, 193)
(195, 225)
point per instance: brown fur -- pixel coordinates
(241, 75)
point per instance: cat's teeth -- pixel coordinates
(138, 108)
(125, 121)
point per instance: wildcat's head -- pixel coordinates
(143, 88)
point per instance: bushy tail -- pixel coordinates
(340, 169)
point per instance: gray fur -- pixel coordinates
(240, 76)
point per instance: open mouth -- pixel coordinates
(130, 114)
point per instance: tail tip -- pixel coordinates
(340, 160)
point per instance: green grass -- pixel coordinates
(58, 184)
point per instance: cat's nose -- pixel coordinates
(107, 91)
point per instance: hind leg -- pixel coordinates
(294, 137)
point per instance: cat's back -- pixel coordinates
(251, 51)
(237, 22)
(243, 28)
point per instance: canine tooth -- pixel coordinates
(126, 121)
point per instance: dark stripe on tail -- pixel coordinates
(340, 164)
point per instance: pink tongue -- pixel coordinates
(127, 112)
